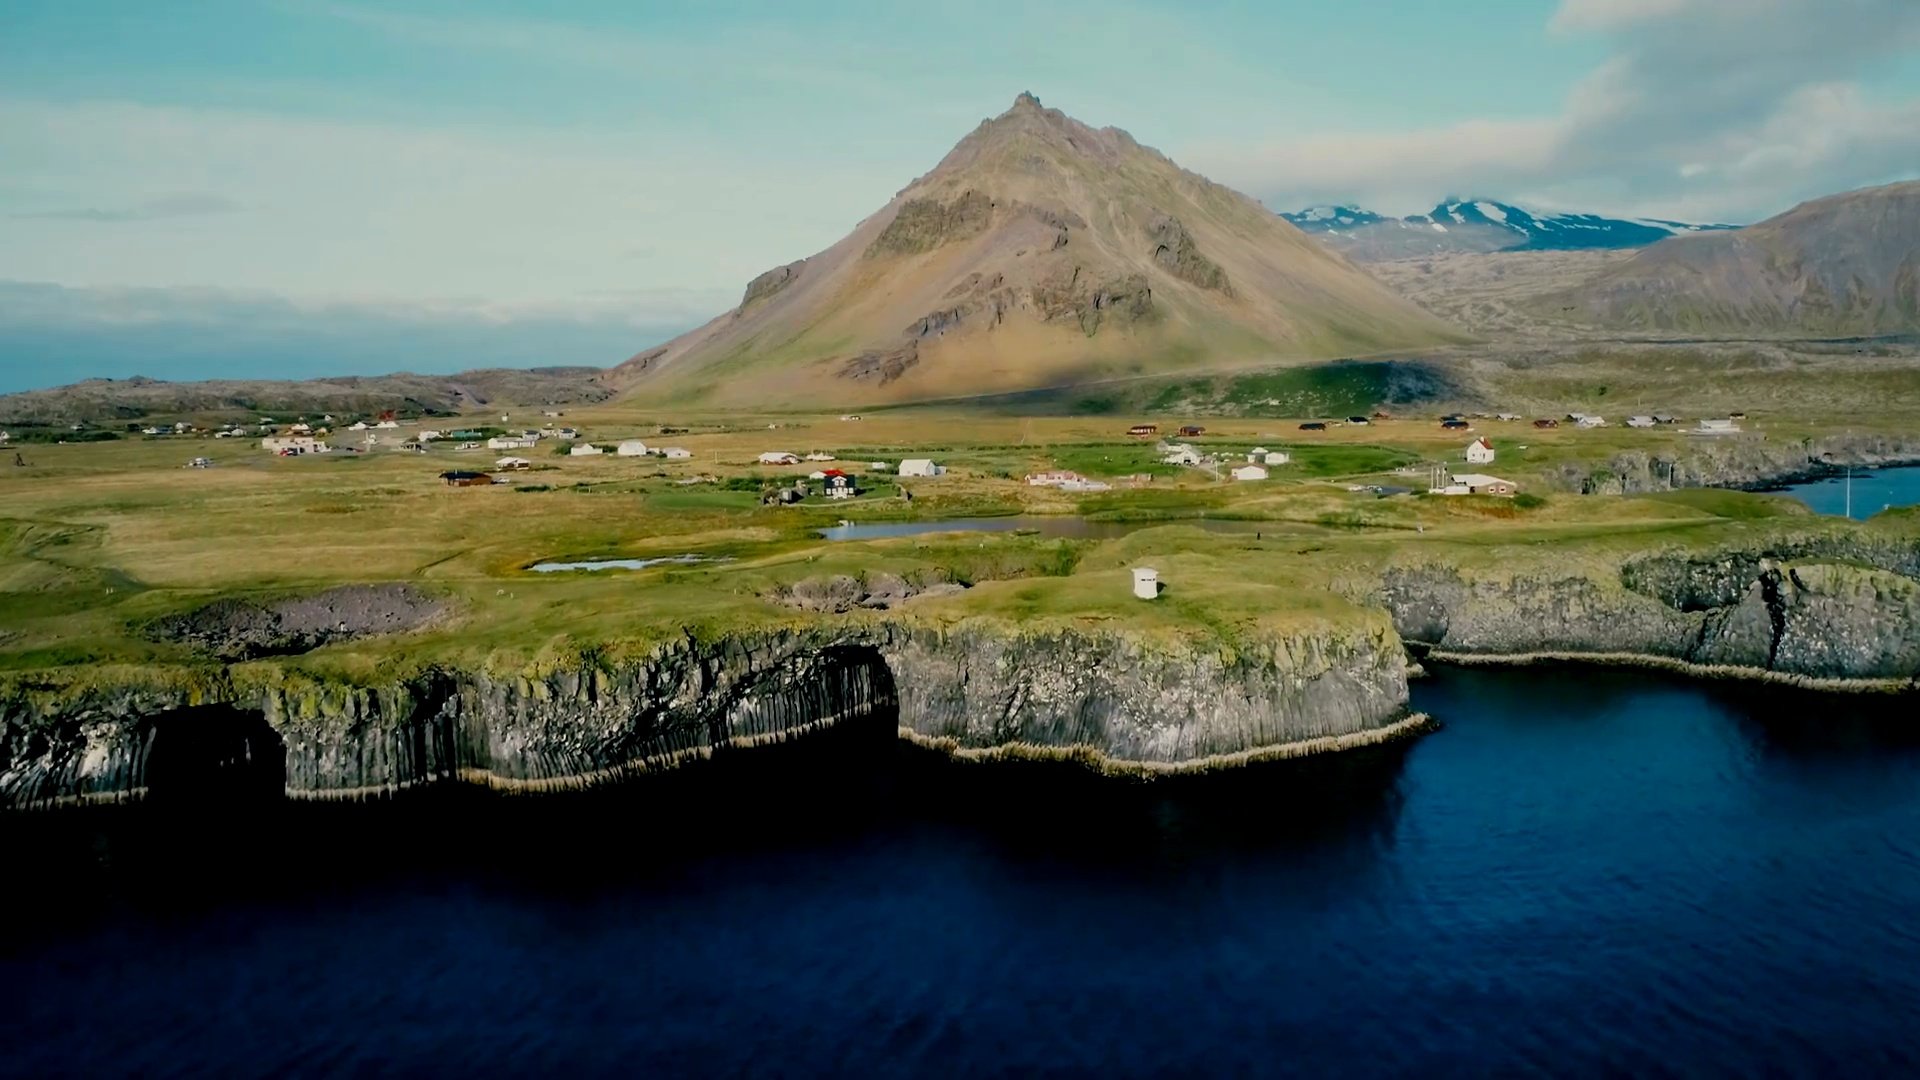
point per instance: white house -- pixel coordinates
(584, 450)
(358, 425)
(920, 467)
(1256, 455)
(1181, 455)
(816, 475)
(818, 455)
(1146, 582)
(1480, 452)
(631, 448)
(1641, 421)
(513, 464)
(511, 442)
(676, 453)
(1250, 472)
(1716, 427)
(879, 466)
(567, 433)
(1276, 457)
(839, 485)
(1590, 422)
(779, 457)
(387, 425)
(295, 444)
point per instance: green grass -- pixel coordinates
(96, 540)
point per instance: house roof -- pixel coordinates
(1481, 442)
(1477, 479)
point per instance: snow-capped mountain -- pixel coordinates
(1481, 225)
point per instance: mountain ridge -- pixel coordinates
(1847, 263)
(1480, 224)
(1038, 250)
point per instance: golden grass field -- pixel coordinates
(98, 539)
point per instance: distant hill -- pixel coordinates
(1479, 225)
(130, 399)
(1039, 252)
(1845, 264)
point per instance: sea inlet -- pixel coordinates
(1585, 872)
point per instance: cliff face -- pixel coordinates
(1125, 698)
(1796, 612)
(1144, 704)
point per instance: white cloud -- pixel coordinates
(1704, 108)
(1575, 16)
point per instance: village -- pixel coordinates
(504, 452)
(496, 452)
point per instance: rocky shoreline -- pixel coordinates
(1749, 462)
(977, 687)
(1820, 610)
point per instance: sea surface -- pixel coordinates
(1587, 872)
(1873, 491)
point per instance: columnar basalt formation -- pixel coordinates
(1121, 697)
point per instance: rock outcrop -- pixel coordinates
(1750, 461)
(244, 630)
(1820, 613)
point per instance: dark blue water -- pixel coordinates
(1872, 492)
(1585, 873)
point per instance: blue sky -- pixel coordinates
(624, 168)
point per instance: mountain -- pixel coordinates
(1845, 264)
(1039, 252)
(1478, 225)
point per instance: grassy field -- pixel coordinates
(98, 539)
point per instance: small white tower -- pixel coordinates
(1146, 582)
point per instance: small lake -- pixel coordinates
(620, 564)
(1062, 526)
(1872, 492)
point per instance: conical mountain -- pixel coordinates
(1039, 252)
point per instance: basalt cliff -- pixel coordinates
(158, 733)
(1830, 612)
(1819, 609)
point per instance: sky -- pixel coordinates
(291, 187)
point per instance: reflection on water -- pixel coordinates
(1871, 492)
(1053, 527)
(1587, 871)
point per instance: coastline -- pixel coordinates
(1412, 725)
(1715, 672)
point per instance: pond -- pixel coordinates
(621, 564)
(1061, 526)
(1871, 492)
